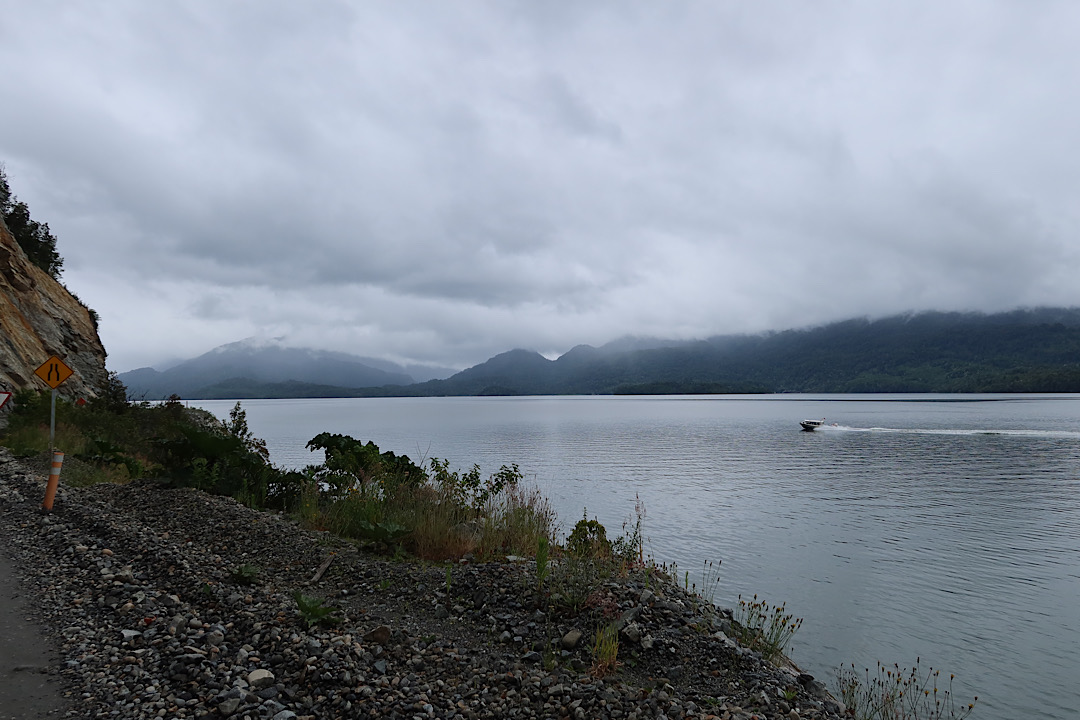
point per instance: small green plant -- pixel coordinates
(789, 694)
(629, 549)
(606, 650)
(542, 568)
(550, 658)
(314, 611)
(384, 584)
(710, 578)
(589, 539)
(246, 574)
(765, 629)
(899, 694)
(574, 579)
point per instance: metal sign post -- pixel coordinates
(52, 423)
(54, 372)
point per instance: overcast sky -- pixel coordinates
(444, 181)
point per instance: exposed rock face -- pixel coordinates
(40, 318)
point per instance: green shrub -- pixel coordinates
(589, 539)
(362, 492)
(351, 464)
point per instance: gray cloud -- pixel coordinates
(442, 182)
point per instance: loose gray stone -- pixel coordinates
(228, 706)
(260, 678)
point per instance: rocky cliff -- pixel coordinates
(39, 318)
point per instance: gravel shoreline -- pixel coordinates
(137, 585)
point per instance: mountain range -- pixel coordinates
(269, 369)
(1036, 350)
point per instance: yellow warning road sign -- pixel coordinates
(53, 371)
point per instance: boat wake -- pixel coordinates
(1064, 434)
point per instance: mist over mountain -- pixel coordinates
(265, 368)
(1021, 351)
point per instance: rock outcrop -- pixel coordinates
(39, 318)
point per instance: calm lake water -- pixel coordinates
(945, 528)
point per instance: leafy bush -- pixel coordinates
(352, 465)
(362, 492)
(588, 539)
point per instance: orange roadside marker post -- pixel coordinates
(54, 372)
(54, 481)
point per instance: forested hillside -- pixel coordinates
(1021, 351)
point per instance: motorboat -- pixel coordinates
(811, 425)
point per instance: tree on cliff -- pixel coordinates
(33, 237)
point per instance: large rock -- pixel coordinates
(39, 318)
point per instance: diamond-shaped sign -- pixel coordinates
(53, 371)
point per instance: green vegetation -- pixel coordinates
(362, 493)
(765, 629)
(314, 611)
(606, 650)
(246, 574)
(588, 558)
(542, 566)
(359, 492)
(33, 237)
(109, 440)
(710, 580)
(588, 539)
(899, 694)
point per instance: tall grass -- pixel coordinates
(606, 650)
(897, 693)
(764, 628)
